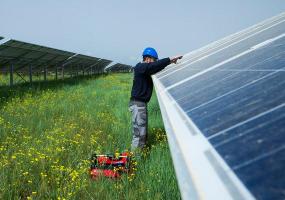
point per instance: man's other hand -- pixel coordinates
(175, 58)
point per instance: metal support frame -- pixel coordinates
(62, 72)
(30, 73)
(20, 75)
(45, 73)
(11, 74)
(56, 72)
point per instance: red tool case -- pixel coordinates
(109, 165)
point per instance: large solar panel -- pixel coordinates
(118, 67)
(103, 64)
(82, 60)
(228, 100)
(87, 63)
(23, 55)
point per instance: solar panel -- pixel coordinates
(118, 67)
(103, 64)
(228, 100)
(81, 60)
(86, 63)
(22, 54)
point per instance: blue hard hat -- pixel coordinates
(149, 51)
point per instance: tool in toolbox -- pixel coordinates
(110, 165)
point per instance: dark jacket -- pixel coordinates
(142, 83)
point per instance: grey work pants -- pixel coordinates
(139, 123)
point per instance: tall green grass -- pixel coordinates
(49, 130)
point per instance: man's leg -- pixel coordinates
(139, 124)
(142, 125)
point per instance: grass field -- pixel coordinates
(48, 132)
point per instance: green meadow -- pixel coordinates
(49, 130)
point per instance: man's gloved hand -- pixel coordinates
(175, 58)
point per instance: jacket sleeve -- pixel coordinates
(157, 66)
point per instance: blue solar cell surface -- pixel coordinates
(241, 44)
(240, 107)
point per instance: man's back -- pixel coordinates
(142, 83)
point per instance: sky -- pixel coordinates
(119, 30)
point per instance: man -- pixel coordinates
(142, 91)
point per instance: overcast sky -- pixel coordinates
(120, 29)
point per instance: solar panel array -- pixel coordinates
(119, 68)
(21, 58)
(224, 110)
